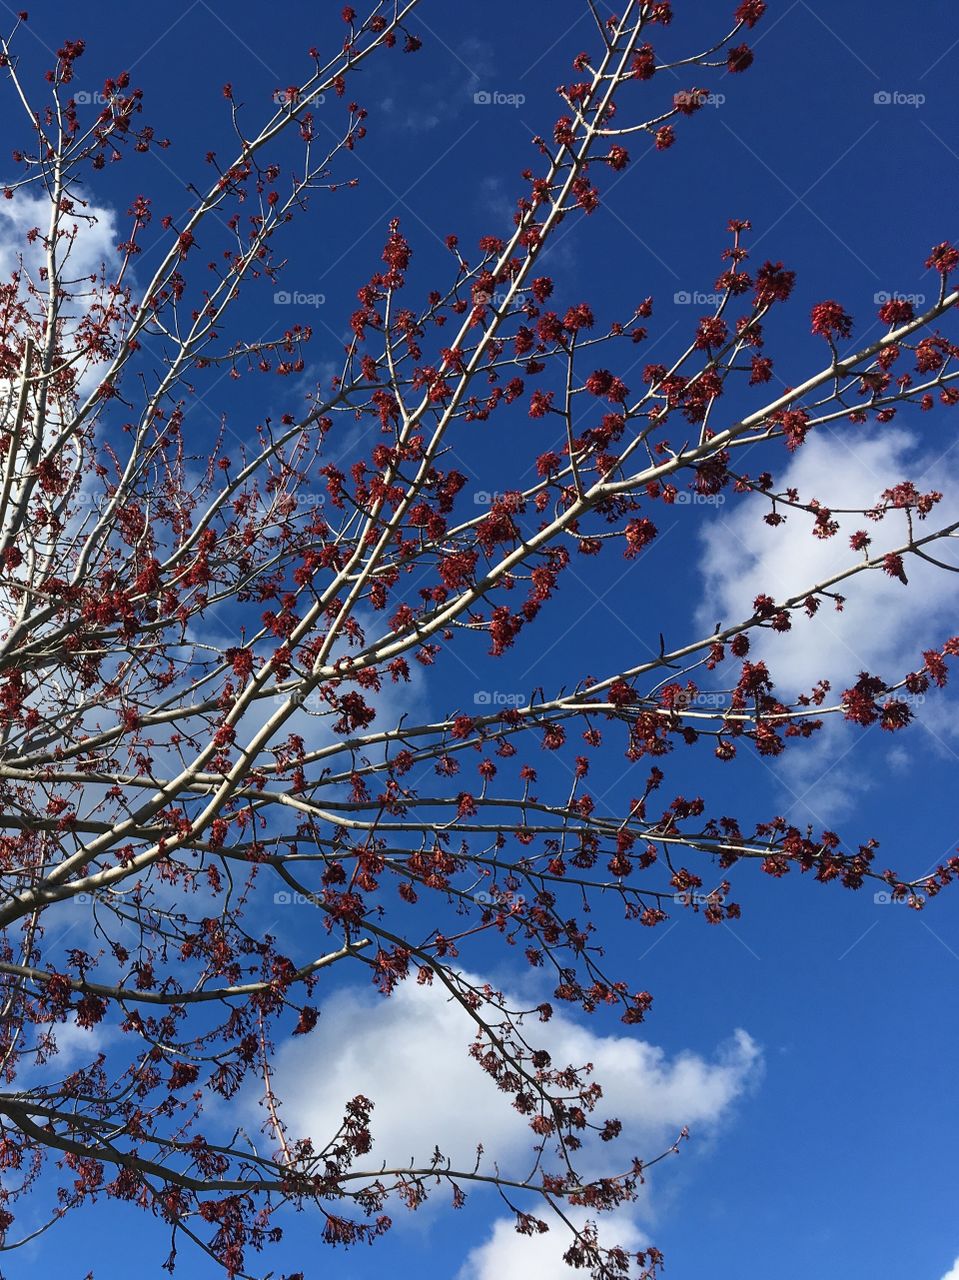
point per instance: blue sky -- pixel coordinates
(832, 1149)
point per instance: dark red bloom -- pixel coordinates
(829, 320)
(639, 534)
(896, 311)
(944, 258)
(740, 58)
(750, 11)
(644, 62)
(774, 283)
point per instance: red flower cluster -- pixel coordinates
(774, 283)
(750, 11)
(639, 534)
(644, 62)
(829, 320)
(740, 58)
(943, 258)
(896, 311)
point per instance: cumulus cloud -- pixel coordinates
(80, 256)
(67, 1046)
(877, 628)
(95, 243)
(409, 1054)
(506, 1253)
(953, 1272)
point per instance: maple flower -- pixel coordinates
(829, 320)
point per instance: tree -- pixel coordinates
(165, 784)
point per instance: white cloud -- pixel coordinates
(883, 626)
(409, 1054)
(421, 106)
(94, 244)
(540, 1257)
(821, 779)
(80, 256)
(953, 1272)
(877, 629)
(76, 1046)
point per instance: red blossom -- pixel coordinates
(829, 320)
(750, 11)
(644, 62)
(773, 283)
(273, 706)
(740, 58)
(943, 258)
(896, 311)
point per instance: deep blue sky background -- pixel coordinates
(843, 1162)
